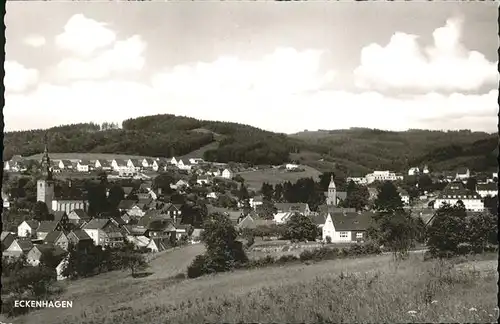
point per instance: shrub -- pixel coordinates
(198, 267)
(328, 240)
(287, 258)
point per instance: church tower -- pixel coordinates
(331, 199)
(45, 186)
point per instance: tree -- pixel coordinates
(278, 192)
(267, 191)
(301, 228)
(243, 192)
(40, 211)
(447, 230)
(357, 196)
(266, 210)
(388, 198)
(115, 195)
(481, 230)
(471, 184)
(398, 232)
(134, 261)
(425, 183)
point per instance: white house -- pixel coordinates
(487, 189)
(405, 197)
(282, 217)
(381, 176)
(103, 165)
(346, 227)
(103, 232)
(173, 161)
(202, 180)
(27, 228)
(119, 165)
(426, 170)
(82, 166)
(134, 165)
(413, 171)
(463, 174)
(196, 160)
(291, 166)
(356, 180)
(212, 195)
(456, 191)
(227, 174)
(184, 165)
(147, 163)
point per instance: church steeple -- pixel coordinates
(46, 167)
(332, 183)
(331, 198)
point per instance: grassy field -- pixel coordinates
(255, 179)
(369, 289)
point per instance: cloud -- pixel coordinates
(285, 71)
(447, 65)
(124, 56)
(35, 41)
(17, 77)
(82, 36)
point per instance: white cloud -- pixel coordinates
(124, 56)
(445, 66)
(35, 40)
(82, 35)
(17, 77)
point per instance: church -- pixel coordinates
(333, 199)
(45, 190)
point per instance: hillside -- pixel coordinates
(352, 151)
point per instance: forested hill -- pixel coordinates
(355, 149)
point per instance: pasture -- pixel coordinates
(368, 289)
(255, 179)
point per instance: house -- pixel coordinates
(103, 165)
(426, 170)
(104, 232)
(202, 180)
(57, 238)
(78, 217)
(291, 166)
(346, 227)
(196, 160)
(128, 191)
(381, 176)
(172, 211)
(65, 165)
(173, 161)
(134, 164)
(158, 165)
(462, 174)
(160, 228)
(27, 228)
(131, 208)
(282, 217)
(17, 248)
(251, 223)
(356, 180)
(212, 195)
(60, 268)
(36, 253)
(46, 227)
(5, 198)
(302, 208)
(256, 201)
(61, 217)
(405, 197)
(456, 191)
(120, 166)
(227, 174)
(7, 239)
(135, 230)
(83, 166)
(184, 165)
(487, 189)
(147, 163)
(180, 184)
(138, 241)
(80, 238)
(413, 171)
(158, 244)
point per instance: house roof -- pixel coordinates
(84, 162)
(56, 250)
(164, 225)
(5, 234)
(151, 215)
(104, 163)
(120, 162)
(493, 186)
(126, 204)
(457, 189)
(96, 223)
(80, 234)
(47, 226)
(25, 244)
(138, 240)
(80, 213)
(32, 223)
(300, 207)
(462, 170)
(319, 219)
(334, 209)
(135, 229)
(58, 215)
(52, 237)
(352, 221)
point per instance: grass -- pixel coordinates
(255, 179)
(368, 289)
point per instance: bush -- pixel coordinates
(287, 258)
(198, 267)
(328, 240)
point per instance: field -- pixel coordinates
(86, 156)
(369, 289)
(255, 179)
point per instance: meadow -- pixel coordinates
(255, 179)
(367, 289)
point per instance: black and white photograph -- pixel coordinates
(250, 162)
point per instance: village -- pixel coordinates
(152, 223)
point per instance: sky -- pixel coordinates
(279, 66)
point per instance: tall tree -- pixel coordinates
(40, 211)
(357, 196)
(300, 228)
(267, 191)
(278, 192)
(471, 184)
(388, 198)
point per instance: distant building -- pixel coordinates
(487, 189)
(381, 176)
(413, 171)
(462, 174)
(456, 191)
(291, 166)
(45, 186)
(227, 174)
(83, 166)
